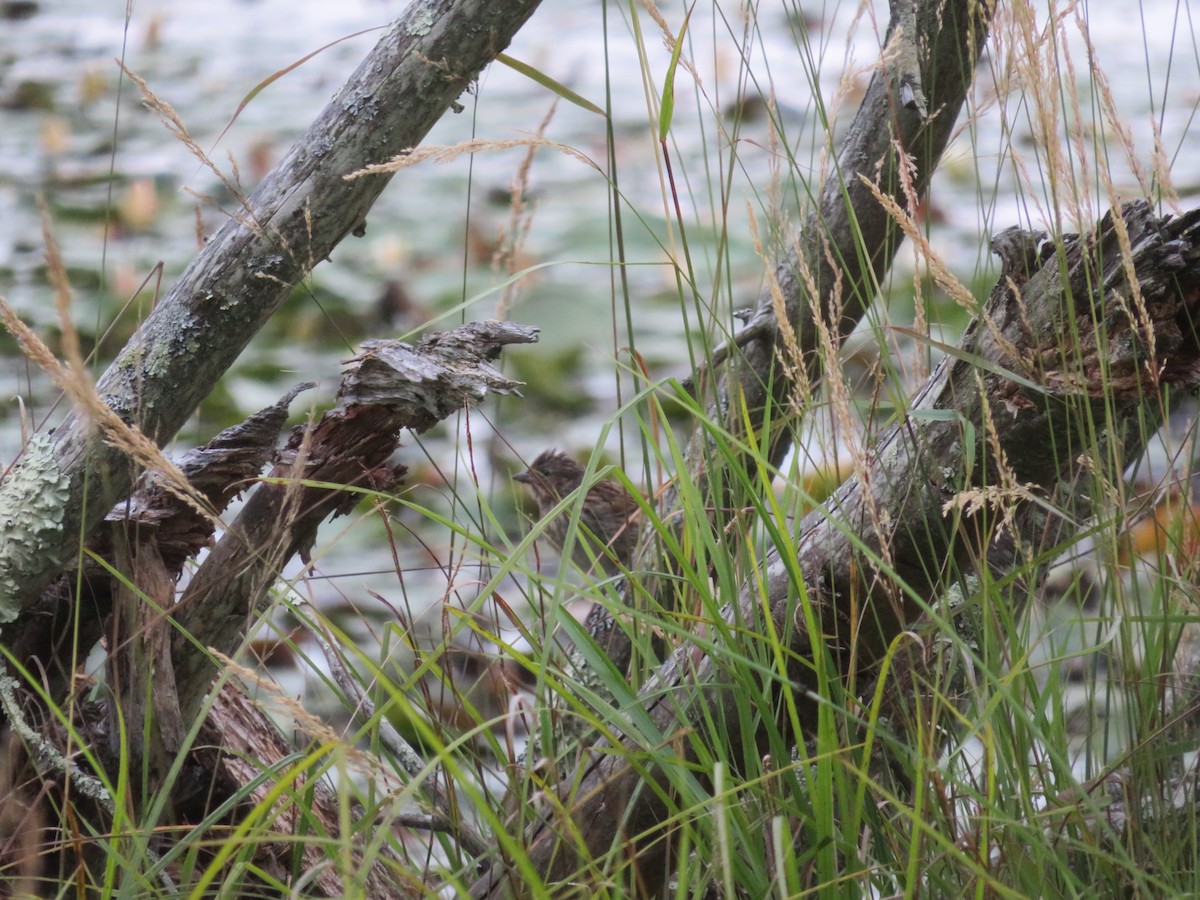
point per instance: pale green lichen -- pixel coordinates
(32, 504)
(420, 22)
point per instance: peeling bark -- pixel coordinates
(159, 667)
(845, 247)
(1031, 379)
(389, 386)
(302, 210)
(72, 611)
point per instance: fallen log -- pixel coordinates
(1079, 334)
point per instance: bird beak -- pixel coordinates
(523, 477)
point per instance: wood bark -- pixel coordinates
(68, 481)
(160, 669)
(846, 246)
(72, 611)
(389, 386)
(847, 243)
(1050, 357)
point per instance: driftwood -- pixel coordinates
(844, 248)
(149, 536)
(389, 386)
(160, 651)
(1051, 355)
(302, 210)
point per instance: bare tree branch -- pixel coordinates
(293, 221)
(846, 245)
(389, 386)
(1049, 358)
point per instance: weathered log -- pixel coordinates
(73, 609)
(389, 386)
(1050, 357)
(160, 670)
(297, 216)
(846, 245)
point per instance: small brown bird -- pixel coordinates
(607, 524)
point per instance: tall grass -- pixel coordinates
(1049, 703)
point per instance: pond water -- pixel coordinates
(75, 131)
(124, 196)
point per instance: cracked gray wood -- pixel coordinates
(297, 216)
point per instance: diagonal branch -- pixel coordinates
(388, 387)
(296, 217)
(1050, 358)
(848, 242)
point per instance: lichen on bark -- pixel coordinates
(31, 517)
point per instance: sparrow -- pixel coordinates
(608, 528)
